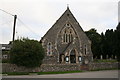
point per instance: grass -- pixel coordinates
(16, 73)
(40, 73)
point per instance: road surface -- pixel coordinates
(92, 74)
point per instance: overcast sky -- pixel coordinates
(38, 16)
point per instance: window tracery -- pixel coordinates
(67, 34)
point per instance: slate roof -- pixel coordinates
(66, 16)
(6, 46)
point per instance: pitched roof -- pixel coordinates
(6, 47)
(66, 16)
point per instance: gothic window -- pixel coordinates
(49, 49)
(67, 34)
(66, 38)
(64, 35)
(69, 37)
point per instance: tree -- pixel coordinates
(96, 39)
(109, 42)
(26, 52)
(103, 46)
(117, 42)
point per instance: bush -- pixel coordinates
(5, 61)
(25, 52)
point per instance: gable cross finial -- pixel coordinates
(67, 6)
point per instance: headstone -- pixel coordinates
(112, 57)
(115, 57)
(106, 56)
(101, 57)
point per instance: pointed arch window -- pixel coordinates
(85, 49)
(67, 34)
(49, 49)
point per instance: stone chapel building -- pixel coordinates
(66, 43)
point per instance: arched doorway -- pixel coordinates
(72, 56)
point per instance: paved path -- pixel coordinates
(93, 74)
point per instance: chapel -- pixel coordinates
(66, 43)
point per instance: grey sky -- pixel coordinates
(39, 15)
(119, 11)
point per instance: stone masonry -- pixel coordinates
(66, 43)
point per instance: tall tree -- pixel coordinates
(95, 37)
(117, 42)
(103, 45)
(110, 42)
(109, 39)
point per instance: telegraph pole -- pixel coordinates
(15, 17)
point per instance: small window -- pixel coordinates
(5, 56)
(67, 59)
(67, 24)
(85, 49)
(67, 14)
(3, 47)
(49, 49)
(80, 58)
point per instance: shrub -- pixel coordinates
(26, 52)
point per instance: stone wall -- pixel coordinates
(43, 68)
(103, 65)
(65, 25)
(14, 68)
(59, 67)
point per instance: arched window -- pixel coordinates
(85, 49)
(67, 34)
(70, 35)
(73, 56)
(49, 49)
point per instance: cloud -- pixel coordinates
(40, 15)
(119, 11)
(102, 15)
